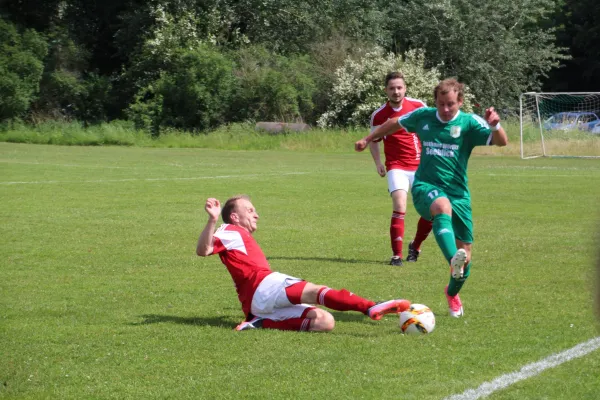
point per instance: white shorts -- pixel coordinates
(270, 300)
(399, 179)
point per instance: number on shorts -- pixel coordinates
(433, 194)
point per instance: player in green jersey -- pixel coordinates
(440, 191)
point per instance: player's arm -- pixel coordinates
(499, 137)
(388, 127)
(376, 154)
(205, 241)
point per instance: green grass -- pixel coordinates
(102, 295)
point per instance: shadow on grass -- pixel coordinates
(329, 259)
(219, 322)
(349, 316)
(227, 323)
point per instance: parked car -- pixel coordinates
(565, 121)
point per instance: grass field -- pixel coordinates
(102, 296)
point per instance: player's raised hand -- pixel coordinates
(213, 207)
(360, 145)
(491, 116)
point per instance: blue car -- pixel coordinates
(566, 121)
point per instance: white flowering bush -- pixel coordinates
(358, 88)
(170, 33)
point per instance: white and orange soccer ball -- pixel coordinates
(417, 320)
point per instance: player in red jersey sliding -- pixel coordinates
(272, 299)
(402, 156)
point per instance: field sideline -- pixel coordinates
(103, 297)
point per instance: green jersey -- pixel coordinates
(446, 147)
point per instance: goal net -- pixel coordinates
(560, 124)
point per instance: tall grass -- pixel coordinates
(230, 137)
(244, 136)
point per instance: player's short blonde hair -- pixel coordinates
(229, 207)
(450, 85)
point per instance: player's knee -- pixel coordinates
(323, 322)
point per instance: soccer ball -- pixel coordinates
(417, 320)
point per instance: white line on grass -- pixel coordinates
(57, 165)
(528, 371)
(542, 167)
(145, 167)
(152, 179)
(540, 175)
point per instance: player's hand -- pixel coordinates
(381, 169)
(491, 116)
(213, 208)
(360, 145)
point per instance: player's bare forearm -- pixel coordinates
(389, 126)
(205, 241)
(499, 137)
(376, 154)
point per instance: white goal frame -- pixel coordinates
(531, 119)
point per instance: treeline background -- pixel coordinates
(196, 65)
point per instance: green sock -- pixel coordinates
(455, 285)
(444, 235)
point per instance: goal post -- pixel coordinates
(560, 124)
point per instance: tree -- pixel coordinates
(273, 87)
(579, 31)
(192, 93)
(32, 14)
(498, 48)
(21, 68)
(358, 90)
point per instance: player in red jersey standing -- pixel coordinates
(402, 156)
(272, 299)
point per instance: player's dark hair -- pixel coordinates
(394, 75)
(229, 207)
(450, 85)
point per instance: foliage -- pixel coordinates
(358, 90)
(578, 28)
(327, 57)
(286, 26)
(33, 14)
(105, 55)
(497, 48)
(193, 92)
(273, 87)
(68, 89)
(21, 67)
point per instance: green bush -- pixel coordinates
(96, 98)
(192, 93)
(21, 68)
(273, 87)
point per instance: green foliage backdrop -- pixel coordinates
(276, 59)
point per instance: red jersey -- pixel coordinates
(402, 150)
(244, 260)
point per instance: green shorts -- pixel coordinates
(423, 194)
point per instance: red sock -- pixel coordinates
(397, 232)
(343, 300)
(292, 324)
(423, 229)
